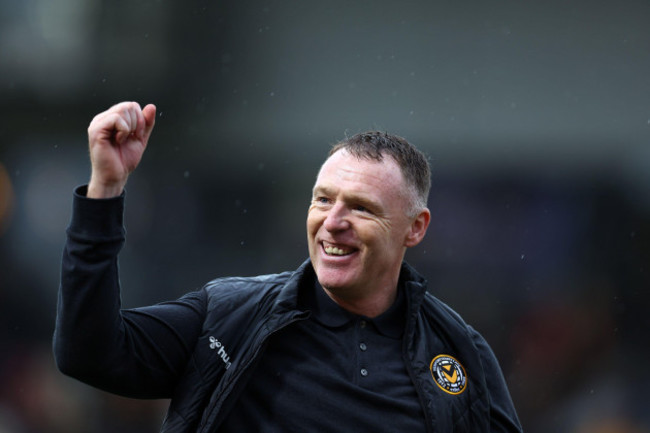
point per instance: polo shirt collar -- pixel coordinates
(328, 313)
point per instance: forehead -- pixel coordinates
(344, 169)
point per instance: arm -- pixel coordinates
(137, 353)
(503, 416)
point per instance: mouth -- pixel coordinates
(337, 250)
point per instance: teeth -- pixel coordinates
(335, 251)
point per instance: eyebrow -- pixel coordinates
(350, 197)
(322, 190)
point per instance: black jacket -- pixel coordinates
(234, 317)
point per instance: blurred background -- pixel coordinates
(535, 116)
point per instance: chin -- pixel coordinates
(332, 282)
(344, 289)
(334, 276)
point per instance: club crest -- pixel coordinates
(448, 374)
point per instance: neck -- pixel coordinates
(369, 306)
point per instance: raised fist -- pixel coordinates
(117, 139)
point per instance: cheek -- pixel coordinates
(314, 221)
(374, 231)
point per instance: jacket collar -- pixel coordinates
(411, 284)
(415, 286)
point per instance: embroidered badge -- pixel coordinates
(448, 374)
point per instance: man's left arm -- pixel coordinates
(503, 416)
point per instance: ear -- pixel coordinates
(418, 228)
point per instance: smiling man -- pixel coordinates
(351, 341)
(362, 218)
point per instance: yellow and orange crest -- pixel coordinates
(448, 374)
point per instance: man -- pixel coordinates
(349, 342)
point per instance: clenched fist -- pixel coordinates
(117, 139)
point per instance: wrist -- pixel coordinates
(97, 189)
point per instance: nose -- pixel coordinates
(337, 218)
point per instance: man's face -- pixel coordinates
(357, 225)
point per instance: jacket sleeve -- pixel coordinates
(137, 353)
(503, 416)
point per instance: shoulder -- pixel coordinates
(433, 306)
(238, 286)
(248, 298)
(230, 284)
(451, 320)
(233, 288)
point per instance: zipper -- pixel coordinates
(418, 391)
(409, 336)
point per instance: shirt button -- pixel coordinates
(362, 324)
(364, 372)
(363, 346)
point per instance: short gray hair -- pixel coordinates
(373, 145)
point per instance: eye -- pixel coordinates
(360, 208)
(322, 200)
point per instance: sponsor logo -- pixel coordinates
(216, 344)
(448, 374)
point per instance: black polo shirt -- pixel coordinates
(334, 372)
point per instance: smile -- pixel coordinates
(332, 250)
